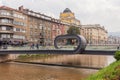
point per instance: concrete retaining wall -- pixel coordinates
(96, 61)
(7, 57)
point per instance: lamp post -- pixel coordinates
(42, 36)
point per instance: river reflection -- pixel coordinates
(18, 71)
(81, 60)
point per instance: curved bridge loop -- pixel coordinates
(81, 42)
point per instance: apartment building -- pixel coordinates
(13, 24)
(26, 25)
(94, 33)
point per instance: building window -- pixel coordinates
(3, 28)
(19, 23)
(4, 12)
(19, 16)
(23, 30)
(18, 29)
(5, 21)
(14, 29)
(18, 37)
(6, 28)
(5, 35)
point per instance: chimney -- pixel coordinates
(21, 8)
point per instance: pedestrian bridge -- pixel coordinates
(80, 48)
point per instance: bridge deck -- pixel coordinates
(100, 52)
(89, 52)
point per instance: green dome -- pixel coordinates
(67, 10)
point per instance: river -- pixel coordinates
(20, 71)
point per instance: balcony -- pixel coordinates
(6, 16)
(6, 24)
(6, 31)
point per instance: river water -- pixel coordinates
(20, 71)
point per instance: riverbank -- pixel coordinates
(112, 72)
(26, 56)
(72, 60)
(80, 60)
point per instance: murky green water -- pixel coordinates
(18, 71)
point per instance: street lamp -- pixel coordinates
(42, 36)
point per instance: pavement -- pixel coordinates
(63, 48)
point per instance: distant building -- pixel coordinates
(114, 39)
(68, 16)
(94, 33)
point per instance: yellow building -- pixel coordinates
(69, 17)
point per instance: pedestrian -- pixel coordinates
(118, 48)
(32, 46)
(37, 46)
(0, 44)
(5, 45)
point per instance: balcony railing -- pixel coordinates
(6, 16)
(6, 31)
(6, 24)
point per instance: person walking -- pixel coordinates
(37, 45)
(5, 45)
(118, 47)
(32, 46)
(0, 44)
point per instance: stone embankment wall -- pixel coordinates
(80, 60)
(4, 58)
(7, 57)
(96, 61)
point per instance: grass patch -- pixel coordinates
(112, 72)
(27, 56)
(117, 55)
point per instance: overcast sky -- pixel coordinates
(103, 12)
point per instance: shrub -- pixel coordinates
(117, 55)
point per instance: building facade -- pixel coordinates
(113, 40)
(68, 16)
(95, 34)
(13, 24)
(26, 25)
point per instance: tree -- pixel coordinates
(73, 30)
(117, 55)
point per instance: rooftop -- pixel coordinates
(67, 10)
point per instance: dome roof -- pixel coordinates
(67, 10)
